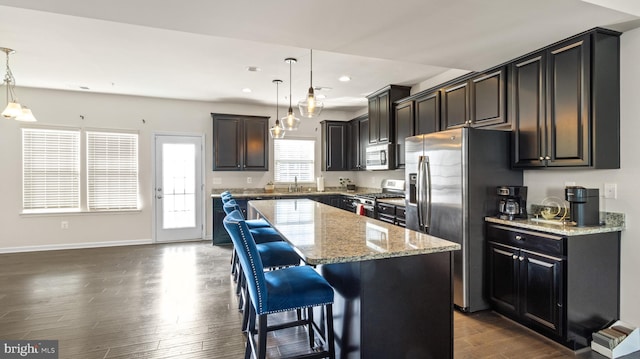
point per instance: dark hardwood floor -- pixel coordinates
(177, 301)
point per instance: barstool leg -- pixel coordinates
(310, 324)
(262, 336)
(329, 333)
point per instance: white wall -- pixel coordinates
(64, 108)
(551, 182)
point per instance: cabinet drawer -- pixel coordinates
(385, 218)
(401, 212)
(530, 240)
(387, 209)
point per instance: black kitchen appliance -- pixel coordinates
(584, 205)
(512, 202)
(390, 189)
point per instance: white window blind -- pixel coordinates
(50, 170)
(294, 158)
(112, 171)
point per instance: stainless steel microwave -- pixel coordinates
(380, 157)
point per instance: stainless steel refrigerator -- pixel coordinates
(452, 178)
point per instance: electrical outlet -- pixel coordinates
(610, 190)
(64, 225)
(249, 180)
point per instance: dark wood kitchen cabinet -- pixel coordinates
(415, 115)
(565, 104)
(240, 143)
(427, 113)
(455, 105)
(334, 145)
(382, 112)
(358, 142)
(403, 129)
(478, 101)
(542, 280)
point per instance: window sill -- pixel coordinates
(78, 213)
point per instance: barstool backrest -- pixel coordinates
(231, 206)
(249, 258)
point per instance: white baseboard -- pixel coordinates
(57, 247)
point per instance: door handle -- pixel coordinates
(159, 197)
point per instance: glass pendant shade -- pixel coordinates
(310, 106)
(26, 116)
(12, 110)
(277, 131)
(291, 122)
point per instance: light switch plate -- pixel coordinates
(610, 190)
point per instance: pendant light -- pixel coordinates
(290, 122)
(310, 106)
(14, 110)
(277, 131)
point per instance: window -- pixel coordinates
(50, 170)
(294, 158)
(53, 172)
(112, 171)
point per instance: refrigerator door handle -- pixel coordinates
(420, 189)
(427, 192)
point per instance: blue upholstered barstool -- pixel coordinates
(280, 290)
(231, 205)
(274, 254)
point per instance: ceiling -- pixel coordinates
(200, 50)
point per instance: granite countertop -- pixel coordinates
(614, 223)
(253, 192)
(323, 234)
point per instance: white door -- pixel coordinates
(179, 188)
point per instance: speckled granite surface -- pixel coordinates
(252, 192)
(614, 223)
(323, 234)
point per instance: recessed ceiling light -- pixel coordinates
(246, 90)
(345, 78)
(321, 96)
(84, 88)
(320, 88)
(253, 69)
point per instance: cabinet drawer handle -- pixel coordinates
(541, 158)
(521, 258)
(515, 256)
(547, 158)
(519, 238)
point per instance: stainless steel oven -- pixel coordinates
(368, 201)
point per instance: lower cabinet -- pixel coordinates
(546, 281)
(390, 213)
(528, 285)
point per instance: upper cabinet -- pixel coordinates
(404, 128)
(477, 101)
(565, 104)
(334, 145)
(240, 143)
(426, 110)
(358, 141)
(382, 112)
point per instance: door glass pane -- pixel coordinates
(179, 185)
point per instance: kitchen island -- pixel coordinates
(393, 286)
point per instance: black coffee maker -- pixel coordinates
(512, 202)
(584, 205)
